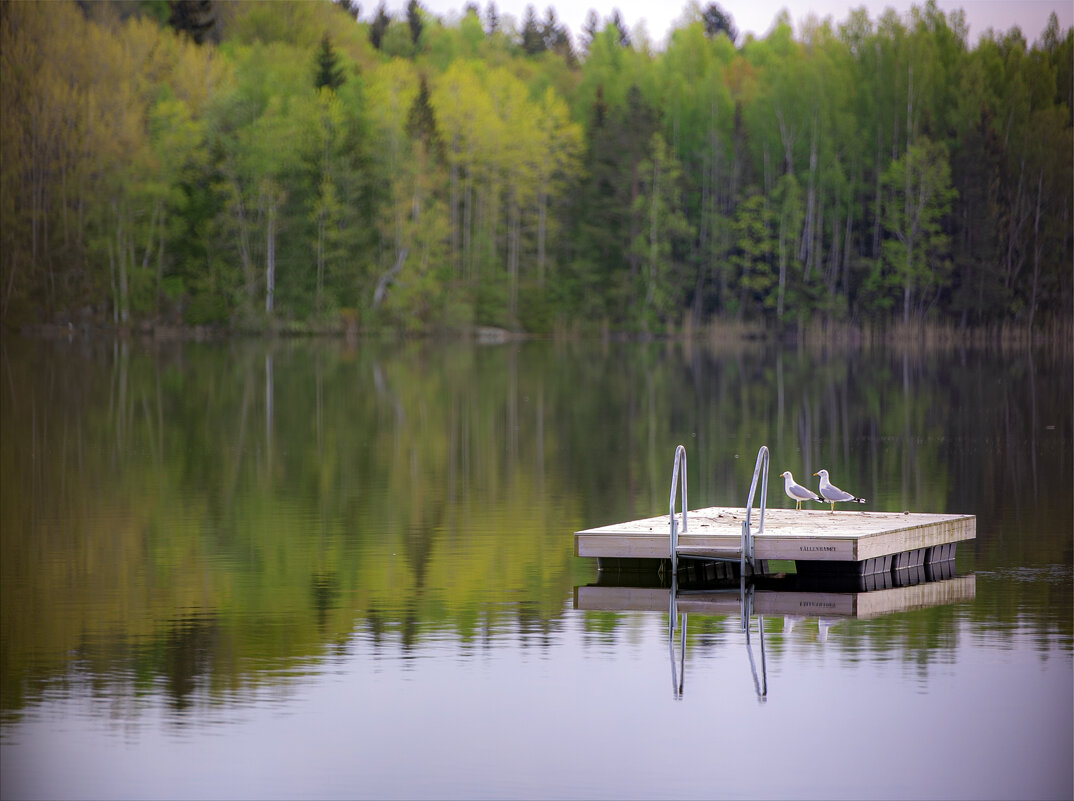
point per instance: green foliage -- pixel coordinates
(752, 256)
(662, 230)
(871, 169)
(920, 195)
(206, 308)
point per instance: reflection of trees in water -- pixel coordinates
(324, 593)
(189, 648)
(187, 487)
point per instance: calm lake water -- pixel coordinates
(308, 569)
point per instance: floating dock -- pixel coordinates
(859, 543)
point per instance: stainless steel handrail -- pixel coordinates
(759, 468)
(676, 682)
(679, 478)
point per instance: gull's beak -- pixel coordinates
(816, 474)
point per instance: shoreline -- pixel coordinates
(1057, 334)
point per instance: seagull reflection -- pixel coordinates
(790, 621)
(823, 624)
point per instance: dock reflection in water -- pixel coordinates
(828, 599)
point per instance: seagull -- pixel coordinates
(832, 494)
(796, 492)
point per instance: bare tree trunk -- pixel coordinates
(149, 240)
(382, 283)
(467, 225)
(633, 224)
(808, 249)
(1037, 247)
(653, 244)
(787, 139)
(112, 281)
(513, 247)
(270, 393)
(816, 245)
(320, 261)
(244, 244)
(270, 257)
(493, 213)
(542, 204)
(160, 265)
(908, 282)
(1014, 232)
(782, 267)
(847, 239)
(122, 260)
(453, 203)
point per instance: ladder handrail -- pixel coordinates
(759, 468)
(680, 479)
(745, 601)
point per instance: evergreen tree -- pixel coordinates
(620, 28)
(421, 122)
(351, 7)
(716, 21)
(532, 40)
(379, 26)
(607, 218)
(328, 71)
(589, 29)
(413, 19)
(556, 38)
(195, 18)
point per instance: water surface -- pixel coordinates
(313, 569)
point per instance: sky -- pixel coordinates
(756, 16)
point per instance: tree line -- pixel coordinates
(295, 165)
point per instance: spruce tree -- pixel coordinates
(413, 19)
(421, 122)
(379, 26)
(195, 18)
(328, 71)
(532, 41)
(718, 21)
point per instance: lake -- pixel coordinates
(323, 569)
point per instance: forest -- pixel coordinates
(316, 166)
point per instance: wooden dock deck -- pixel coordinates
(865, 542)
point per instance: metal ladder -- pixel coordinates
(678, 487)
